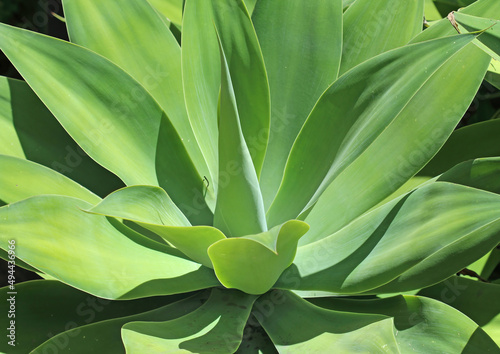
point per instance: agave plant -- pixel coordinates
(270, 181)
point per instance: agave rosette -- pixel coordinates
(225, 194)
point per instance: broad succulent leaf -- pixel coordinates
(215, 327)
(313, 29)
(253, 176)
(386, 25)
(348, 173)
(28, 130)
(136, 119)
(146, 41)
(436, 234)
(253, 263)
(116, 263)
(240, 208)
(28, 179)
(152, 208)
(422, 325)
(51, 307)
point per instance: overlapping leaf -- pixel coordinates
(374, 27)
(29, 130)
(253, 263)
(349, 154)
(92, 253)
(297, 326)
(215, 327)
(51, 307)
(152, 209)
(434, 222)
(286, 28)
(421, 325)
(240, 209)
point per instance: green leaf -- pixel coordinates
(490, 28)
(24, 179)
(297, 326)
(240, 209)
(152, 208)
(296, 81)
(434, 222)
(145, 48)
(105, 336)
(28, 130)
(383, 113)
(171, 9)
(90, 252)
(248, 74)
(215, 327)
(253, 263)
(422, 325)
(51, 307)
(442, 28)
(374, 27)
(430, 11)
(475, 299)
(202, 77)
(111, 116)
(469, 142)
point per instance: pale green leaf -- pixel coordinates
(253, 263)
(240, 209)
(28, 130)
(51, 307)
(151, 208)
(434, 222)
(215, 327)
(297, 326)
(105, 336)
(422, 325)
(296, 81)
(111, 116)
(23, 179)
(374, 27)
(248, 74)
(374, 128)
(140, 43)
(95, 254)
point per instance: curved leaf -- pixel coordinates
(297, 326)
(151, 208)
(422, 325)
(374, 27)
(145, 48)
(202, 77)
(475, 299)
(28, 130)
(108, 113)
(443, 28)
(240, 209)
(249, 79)
(253, 263)
(385, 131)
(171, 9)
(296, 81)
(95, 254)
(434, 222)
(23, 179)
(105, 336)
(215, 327)
(473, 141)
(51, 307)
